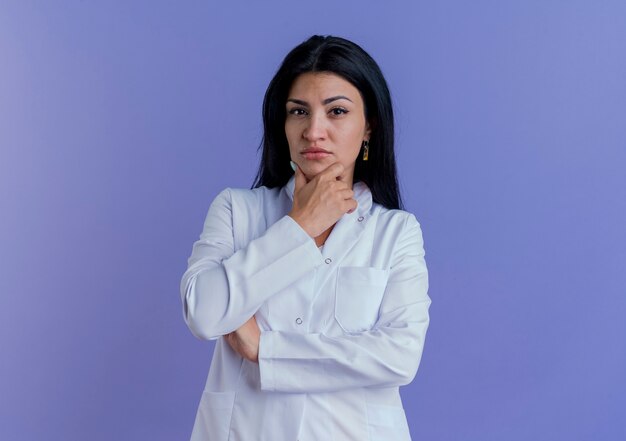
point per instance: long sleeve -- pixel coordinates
(387, 355)
(221, 289)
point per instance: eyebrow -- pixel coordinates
(326, 101)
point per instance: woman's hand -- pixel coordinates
(319, 203)
(245, 340)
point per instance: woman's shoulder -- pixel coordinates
(246, 197)
(394, 215)
(240, 192)
(396, 222)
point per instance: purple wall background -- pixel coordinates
(120, 121)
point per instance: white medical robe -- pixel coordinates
(341, 328)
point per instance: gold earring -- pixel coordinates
(366, 150)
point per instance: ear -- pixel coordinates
(368, 131)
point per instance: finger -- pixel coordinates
(346, 193)
(350, 206)
(333, 171)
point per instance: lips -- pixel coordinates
(313, 153)
(314, 150)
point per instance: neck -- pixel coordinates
(321, 239)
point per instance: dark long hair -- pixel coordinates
(344, 58)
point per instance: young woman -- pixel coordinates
(313, 282)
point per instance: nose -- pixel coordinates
(315, 128)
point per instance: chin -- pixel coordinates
(312, 170)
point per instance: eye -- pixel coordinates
(297, 111)
(338, 111)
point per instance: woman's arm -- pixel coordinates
(387, 355)
(222, 289)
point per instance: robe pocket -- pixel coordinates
(358, 295)
(213, 417)
(387, 423)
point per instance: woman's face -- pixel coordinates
(325, 123)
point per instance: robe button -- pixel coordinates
(299, 321)
(360, 219)
(328, 260)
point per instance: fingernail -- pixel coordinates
(293, 165)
